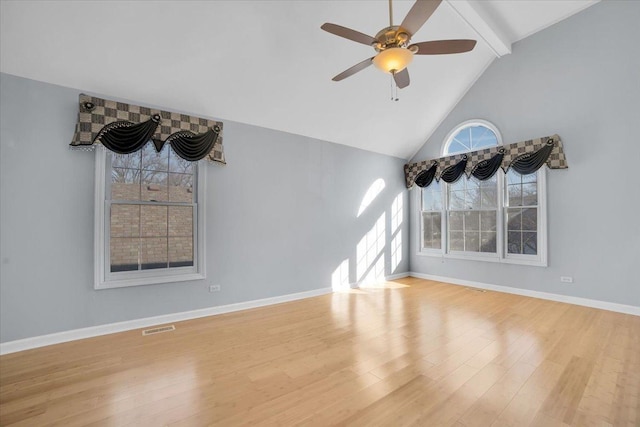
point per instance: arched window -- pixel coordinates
(499, 219)
(471, 135)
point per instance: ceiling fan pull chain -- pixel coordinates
(394, 93)
(391, 87)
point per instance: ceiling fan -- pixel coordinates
(393, 43)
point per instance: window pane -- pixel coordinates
(462, 138)
(124, 253)
(124, 237)
(154, 161)
(456, 200)
(489, 183)
(125, 184)
(154, 186)
(153, 253)
(180, 221)
(456, 147)
(460, 184)
(178, 164)
(515, 195)
(125, 221)
(482, 137)
(180, 187)
(514, 242)
(472, 197)
(488, 221)
(456, 241)
(180, 251)
(181, 236)
(488, 242)
(471, 241)
(436, 243)
(432, 197)
(532, 177)
(513, 177)
(127, 161)
(431, 228)
(530, 194)
(529, 243)
(530, 219)
(514, 219)
(489, 198)
(154, 221)
(456, 221)
(472, 221)
(471, 137)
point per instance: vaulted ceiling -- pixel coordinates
(267, 63)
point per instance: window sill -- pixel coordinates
(488, 258)
(151, 280)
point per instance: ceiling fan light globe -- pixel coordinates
(394, 59)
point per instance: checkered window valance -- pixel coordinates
(524, 157)
(125, 128)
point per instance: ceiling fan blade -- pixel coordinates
(443, 47)
(348, 33)
(402, 78)
(418, 15)
(351, 71)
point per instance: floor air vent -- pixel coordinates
(477, 289)
(158, 330)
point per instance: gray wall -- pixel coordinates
(580, 79)
(281, 216)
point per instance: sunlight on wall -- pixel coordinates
(340, 277)
(396, 221)
(371, 194)
(369, 249)
(397, 212)
(396, 252)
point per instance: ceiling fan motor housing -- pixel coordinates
(394, 36)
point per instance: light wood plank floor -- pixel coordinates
(413, 352)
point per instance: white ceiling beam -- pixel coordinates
(484, 25)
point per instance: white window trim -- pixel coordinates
(464, 125)
(501, 256)
(103, 279)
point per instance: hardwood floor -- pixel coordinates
(413, 352)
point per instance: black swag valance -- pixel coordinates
(126, 128)
(524, 157)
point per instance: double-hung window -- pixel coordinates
(149, 218)
(500, 219)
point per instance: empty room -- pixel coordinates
(297, 212)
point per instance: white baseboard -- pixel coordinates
(397, 276)
(604, 305)
(356, 285)
(94, 331)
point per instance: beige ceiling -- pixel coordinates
(266, 63)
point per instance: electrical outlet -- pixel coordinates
(566, 279)
(214, 288)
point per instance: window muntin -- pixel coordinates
(471, 136)
(149, 219)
